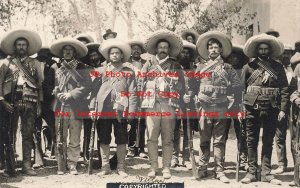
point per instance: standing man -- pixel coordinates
(185, 59)
(21, 88)
(109, 34)
(45, 57)
(212, 95)
(72, 85)
(95, 60)
(280, 135)
(238, 59)
(137, 50)
(116, 96)
(166, 91)
(266, 101)
(2, 130)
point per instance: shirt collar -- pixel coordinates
(162, 60)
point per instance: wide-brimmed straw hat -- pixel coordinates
(9, 38)
(250, 48)
(137, 42)
(221, 37)
(295, 58)
(84, 36)
(173, 39)
(192, 32)
(123, 46)
(57, 46)
(192, 48)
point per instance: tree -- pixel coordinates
(223, 15)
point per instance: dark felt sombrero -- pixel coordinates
(109, 31)
(84, 36)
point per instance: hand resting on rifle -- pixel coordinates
(7, 106)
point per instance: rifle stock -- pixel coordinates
(238, 160)
(38, 156)
(92, 140)
(61, 158)
(297, 164)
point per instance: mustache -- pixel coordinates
(162, 53)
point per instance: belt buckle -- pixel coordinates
(256, 106)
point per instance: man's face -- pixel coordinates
(21, 47)
(214, 50)
(115, 55)
(286, 56)
(43, 55)
(263, 50)
(68, 52)
(235, 60)
(162, 50)
(94, 57)
(185, 55)
(190, 39)
(136, 51)
(110, 36)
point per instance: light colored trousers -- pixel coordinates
(164, 126)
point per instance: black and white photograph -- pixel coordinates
(149, 93)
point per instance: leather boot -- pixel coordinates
(27, 147)
(104, 151)
(121, 154)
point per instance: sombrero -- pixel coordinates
(9, 38)
(174, 40)
(192, 47)
(272, 31)
(137, 42)
(109, 31)
(221, 37)
(250, 48)
(295, 58)
(56, 47)
(108, 44)
(84, 36)
(190, 32)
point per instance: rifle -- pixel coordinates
(61, 158)
(190, 134)
(238, 159)
(92, 140)
(297, 164)
(38, 156)
(9, 144)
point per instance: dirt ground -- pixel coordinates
(137, 169)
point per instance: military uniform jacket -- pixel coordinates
(218, 83)
(9, 73)
(78, 88)
(167, 88)
(120, 90)
(280, 83)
